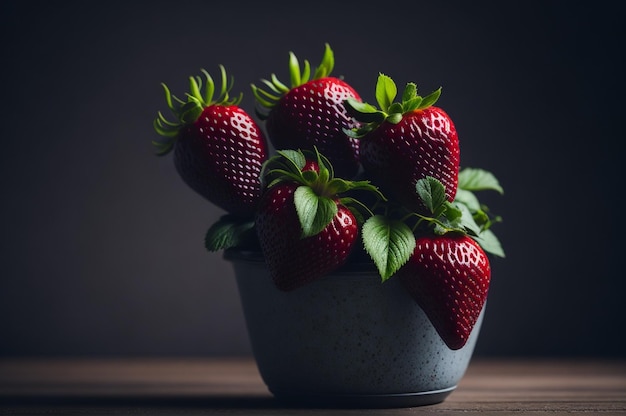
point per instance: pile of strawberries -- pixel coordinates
(347, 182)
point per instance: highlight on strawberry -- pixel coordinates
(218, 147)
(404, 141)
(309, 112)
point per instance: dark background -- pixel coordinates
(102, 244)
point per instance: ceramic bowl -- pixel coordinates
(346, 339)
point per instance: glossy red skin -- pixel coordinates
(293, 261)
(220, 156)
(313, 114)
(396, 156)
(449, 277)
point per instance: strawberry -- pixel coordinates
(448, 276)
(310, 112)
(441, 258)
(294, 261)
(218, 148)
(406, 141)
(305, 228)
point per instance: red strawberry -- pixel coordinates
(218, 147)
(311, 113)
(305, 230)
(448, 275)
(294, 261)
(405, 142)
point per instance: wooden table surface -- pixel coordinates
(232, 386)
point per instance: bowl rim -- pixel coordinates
(256, 257)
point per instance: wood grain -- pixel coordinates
(233, 386)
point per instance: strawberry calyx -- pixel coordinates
(319, 192)
(187, 111)
(388, 108)
(275, 89)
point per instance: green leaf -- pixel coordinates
(364, 112)
(361, 107)
(306, 73)
(194, 88)
(412, 104)
(209, 89)
(225, 85)
(294, 70)
(395, 108)
(452, 213)
(310, 176)
(430, 99)
(296, 157)
(259, 96)
(271, 97)
(468, 198)
(327, 64)
(338, 186)
(410, 92)
(394, 118)
(190, 112)
(386, 91)
(315, 212)
(467, 220)
(490, 243)
(474, 179)
(482, 218)
(279, 86)
(164, 128)
(163, 147)
(361, 131)
(390, 244)
(168, 98)
(227, 232)
(432, 193)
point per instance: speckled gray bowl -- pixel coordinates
(346, 340)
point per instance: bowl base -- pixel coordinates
(364, 400)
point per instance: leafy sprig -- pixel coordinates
(390, 240)
(472, 180)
